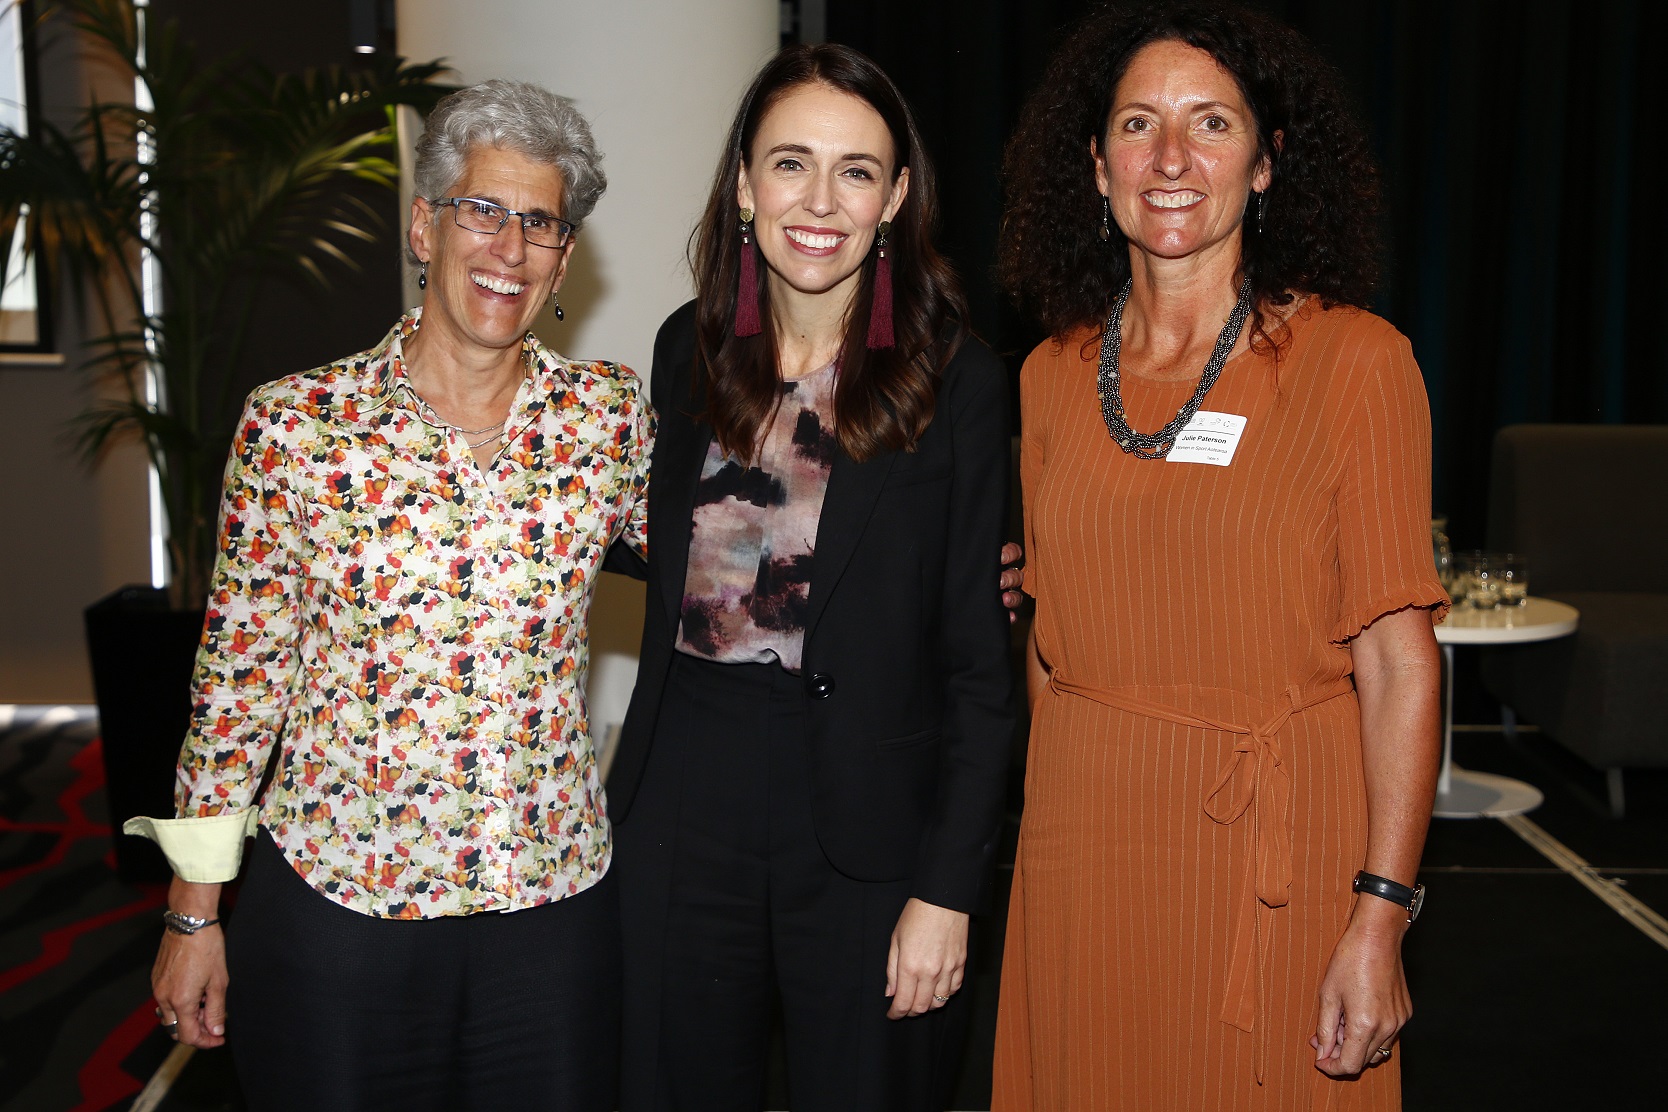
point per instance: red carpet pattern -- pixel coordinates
(76, 1027)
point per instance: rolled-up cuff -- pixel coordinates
(200, 850)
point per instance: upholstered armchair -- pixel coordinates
(1588, 506)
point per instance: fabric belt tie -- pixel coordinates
(1254, 783)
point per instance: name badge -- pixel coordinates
(1208, 438)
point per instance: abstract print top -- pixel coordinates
(409, 630)
(748, 587)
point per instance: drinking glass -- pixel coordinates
(1443, 552)
(1511, 573)
(1477, 582)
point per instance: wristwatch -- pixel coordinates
(181, 923)
(1399, 894)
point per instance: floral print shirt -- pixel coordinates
(748, 588)
(408, 629)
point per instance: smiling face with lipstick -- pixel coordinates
(820, 177)
(1179, 156)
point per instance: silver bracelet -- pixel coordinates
(180, 923)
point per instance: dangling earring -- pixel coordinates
(1105, 231)
(747, 289)
(557, 305)
(880, 306)
(423, 276)
(1262, 202)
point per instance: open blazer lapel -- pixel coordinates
(852, 490)
(680, 453)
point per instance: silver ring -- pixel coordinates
(171, 1028)
(1384, 1050)
(941, 999)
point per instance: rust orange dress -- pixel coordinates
(1195, 808)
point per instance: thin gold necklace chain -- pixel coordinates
(431, 417)
(486, 428)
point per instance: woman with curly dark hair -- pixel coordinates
(1234, 679)
(811, 775)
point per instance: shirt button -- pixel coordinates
(821, 685)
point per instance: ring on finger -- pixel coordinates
(1382, 1054)
(941, 999)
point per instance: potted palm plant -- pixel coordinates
(168, 216)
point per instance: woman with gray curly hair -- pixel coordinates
(396, 635)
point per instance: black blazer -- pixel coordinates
(906, 665)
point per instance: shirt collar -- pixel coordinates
(384, 379)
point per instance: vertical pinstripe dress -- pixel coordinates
(1195, 806)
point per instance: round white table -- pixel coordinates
(1461, 793)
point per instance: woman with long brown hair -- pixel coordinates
(811, 775)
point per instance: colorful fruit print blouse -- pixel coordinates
(408, 630)
(747, 590)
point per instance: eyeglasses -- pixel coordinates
(475, 215)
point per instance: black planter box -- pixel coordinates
(142, 654)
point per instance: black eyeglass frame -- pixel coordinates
(566, 228)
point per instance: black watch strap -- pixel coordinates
(1413, 899)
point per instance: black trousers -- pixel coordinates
(728, 903)
(331, 1009)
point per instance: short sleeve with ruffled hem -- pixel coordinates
(1384, 555)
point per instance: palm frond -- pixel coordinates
(254, 174)
(80, 201)
(106, 421)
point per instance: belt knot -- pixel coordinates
(1256, 774)
(1255, 783)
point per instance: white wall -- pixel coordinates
(659, 81)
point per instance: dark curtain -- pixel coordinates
(1524, 247)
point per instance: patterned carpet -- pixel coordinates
(76, 1029)
(1532, 994)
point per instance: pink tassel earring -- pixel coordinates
(747, 290)
(880, 308)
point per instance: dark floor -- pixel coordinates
(1531, 993)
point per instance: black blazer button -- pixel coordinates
(821, 685)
